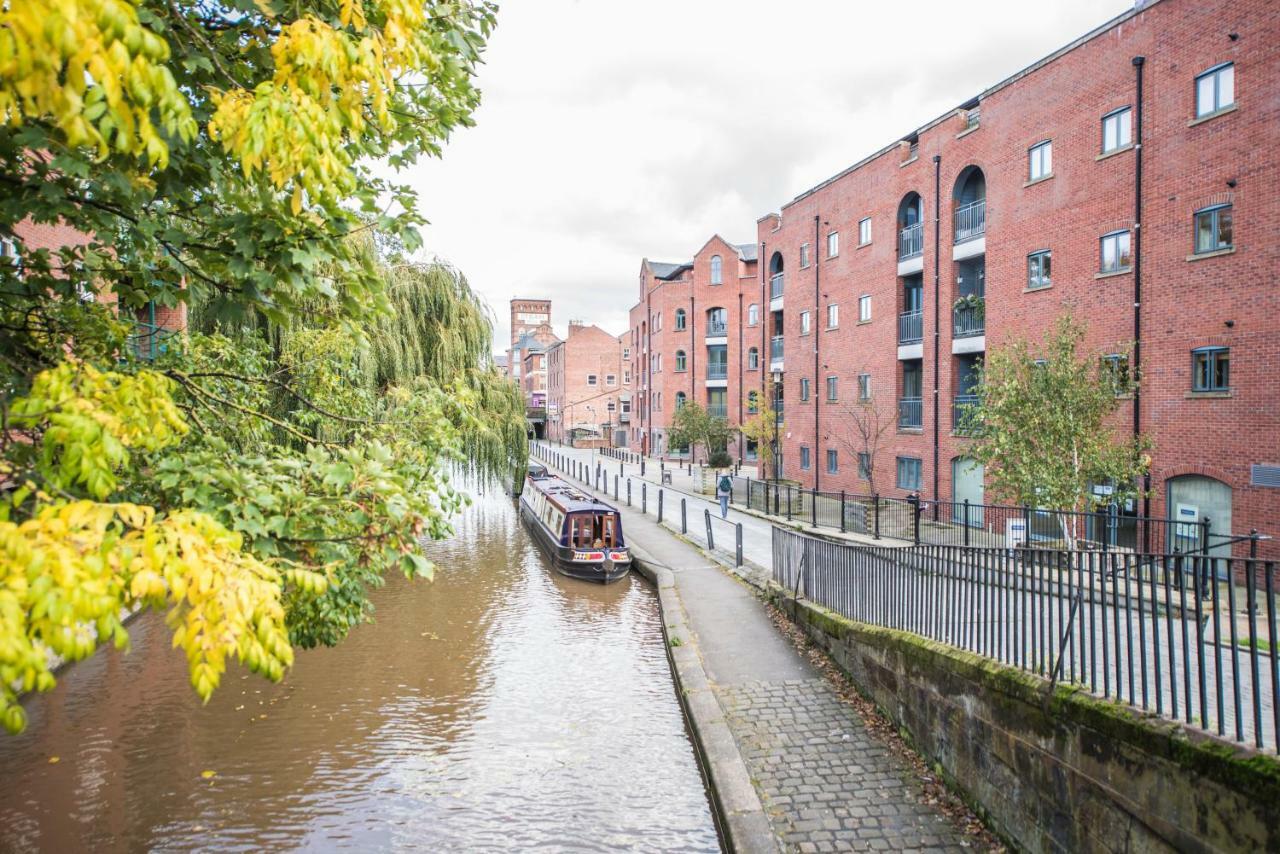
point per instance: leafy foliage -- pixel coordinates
(692, 426)
(1043, 427)
(264, 472)
(764, 428)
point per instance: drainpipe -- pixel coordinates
(1137, 274)
(741, 356)
(937, 316)
(766, 355)
(817, 401)
(693, 354)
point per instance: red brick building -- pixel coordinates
(696, 322)
(585, 385)
(1129, 178)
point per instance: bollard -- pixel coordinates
(711, 539)
(660, 494)
(842, 524)
(684, 517)
(615, 487)
(813, 497)
(628, 492)
(642, 466)
(966, 523)
(620, 470)
(788, 503)
(875, 500)
(644, 498)
(737, 546)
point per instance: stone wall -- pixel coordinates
(1056, 770)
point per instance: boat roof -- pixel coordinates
(568, 496)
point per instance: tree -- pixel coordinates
(258, 477)
(692, 426)
(1042, 426)
(764, 428)
(868, 422)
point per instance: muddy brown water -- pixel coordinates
(500, 707)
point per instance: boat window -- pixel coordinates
(610, 540)
(581, 531)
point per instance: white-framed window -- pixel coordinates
(864, 386)
(804, 388)
(804, 457)
(717, 270)
(753, 359)
(804, 255)
(1040, 160)
(833, 315)
(610, 379)
(1117, 129)
(680, 360)
(1114, 252)
(833, 244)
(864, 231)
(626, 377)
(833, 461)
(591, 379)
(753, 314)
(833, 387)
(1213, 229)
(626, 353)
(1039, 269)
(864, 308)
(804, 323)
(681, 319)
(1215, 89)
(626, 407)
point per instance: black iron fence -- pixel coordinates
(1151, 629)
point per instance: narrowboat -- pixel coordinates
(581, 534)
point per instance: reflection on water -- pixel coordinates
(502, 706)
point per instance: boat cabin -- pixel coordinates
(574, 518)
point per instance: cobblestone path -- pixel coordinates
(826, 783)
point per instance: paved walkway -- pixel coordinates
(825, 782)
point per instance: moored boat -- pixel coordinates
(579, 533)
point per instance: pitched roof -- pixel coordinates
(663, 270)
(747, 251)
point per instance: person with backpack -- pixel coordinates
(724, 489)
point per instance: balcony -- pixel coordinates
(775, 285)
(717, 328)
(960, 413)
(775, 349)
(968, 317)
(624, 417)
(971, 220)
(911, 327)
(717, 370)
(910, 413)
(718, 410)
(911, 242)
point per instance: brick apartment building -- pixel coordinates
(531, 336)
(696, 324)
(586, 386)
(1032, 199)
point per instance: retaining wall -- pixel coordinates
(1055, 769)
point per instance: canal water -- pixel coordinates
(501, 706)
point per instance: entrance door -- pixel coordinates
(966, 483)
(1192, 497)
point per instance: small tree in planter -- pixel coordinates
(692, 427)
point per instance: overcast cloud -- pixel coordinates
(615, 130)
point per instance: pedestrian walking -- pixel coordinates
(723, 490)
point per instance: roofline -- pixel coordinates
(1008, 81)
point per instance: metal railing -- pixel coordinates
(775, 348)
(717, 370)
(910, 412)
(968, 321)
(961, 406)
(1155, 630)
(718, 410)
(911, 241)
(717, 328)
(776, 283)
(971, 220)
(911, 327)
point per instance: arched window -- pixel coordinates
(910, 226)
(753, 314)
(776, 278)
(717, 322)
(753, 402)
(680, 319)
(680, 360)
(717, 270)
(970, 204)
(680, 398)
(753, 359)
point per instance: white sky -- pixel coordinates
(612, 130)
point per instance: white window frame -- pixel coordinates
(864, 386)
(1215, 76)
(833, 244)
(717, 270)
(1115, 236)
(805, 323)
(833, 389)
(833, 315)
(864, 231)
(1117, 129)
(592, 379)
(611, 379)
(864, 308)
(753, 315)
(1040, 160)
(804, 255)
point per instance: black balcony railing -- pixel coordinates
(775, 348)
(968, 320)
(910, 412)
(717, 328)
(911, 241)
(971, 220)
(962, 408)
(717, 370)
(718, 410)
(776, 283)
(911, 327)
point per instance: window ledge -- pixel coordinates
(831, 329)
(1213, 115)
(1037, 290)
(909, 162)
(1113, 152)
(1109, 273)
(1208, 395)
(1200, 256)
(912, 431)
(1039, 180)
(968, 131)
(863, 322)
(863, 245)
(837, 255)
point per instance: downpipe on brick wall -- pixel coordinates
(1138, 62)
(937, 316)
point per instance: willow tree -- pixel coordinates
(252, 485)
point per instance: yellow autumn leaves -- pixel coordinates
(72, 569)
